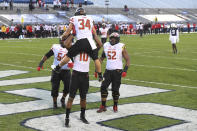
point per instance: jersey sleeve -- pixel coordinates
(72, 20)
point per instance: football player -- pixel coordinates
(174, 37)
(84, 28)
(104, 33)
(114, 51)
(79, 80)
(59, 51)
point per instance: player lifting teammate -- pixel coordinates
(84, 27)
(79, 80)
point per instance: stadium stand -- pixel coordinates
(145, 11)
(189, 4)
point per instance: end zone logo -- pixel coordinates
(56, 122)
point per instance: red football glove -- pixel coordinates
(38, 68)
(124, 74)
(95, 74)
(70, 65)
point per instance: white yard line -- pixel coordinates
(22, 66)
(160, 67)
(20, 53)
(22, 47)
(166, 57)
(122, 79)
(158, 83)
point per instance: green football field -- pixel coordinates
(153, 65)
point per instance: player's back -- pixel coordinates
(81, 62)
(83, 26)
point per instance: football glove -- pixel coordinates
(124, 72)
(57, 68)
(70, 65)
(100, 76)
(40, 65)
(95, 74)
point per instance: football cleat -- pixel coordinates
(67, 122)
(115, 108)
(101, 109)
(83, 119)
(63, 102)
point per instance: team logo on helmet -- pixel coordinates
(116, 36)
(80, 11)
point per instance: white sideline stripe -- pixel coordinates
(11, 72)
(166, 57)
(183, 69)
(25, 81)
(158, 83)
(21, 66)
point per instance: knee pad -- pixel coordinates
(115, 95)
(104, 93)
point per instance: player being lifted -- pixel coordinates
(59, 51)
(84, 27)
(174, 37)
(113, 51)
(79, 80)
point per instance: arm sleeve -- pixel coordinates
(49, 54)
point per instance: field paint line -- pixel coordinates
(24, 81)
(54, 122)
(145, 52)
(21, 54)
(11, 72)
(170, 68)
(22, 47)
(22, 66)
(158, 83)
(44, 98)
(167, 57)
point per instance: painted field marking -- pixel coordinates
(34, 68)
(56, 122)
(45, 100)
(11, 72)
